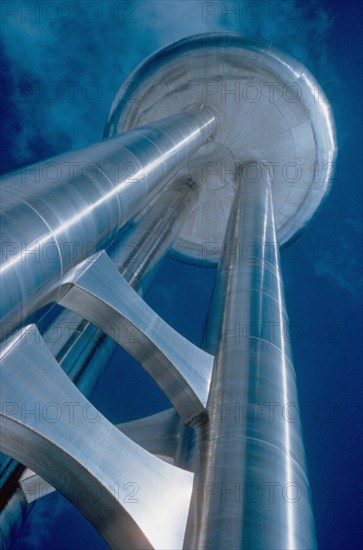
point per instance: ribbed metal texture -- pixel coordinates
(246, 446)
(253, 490)
(57, 213)
(82, 350)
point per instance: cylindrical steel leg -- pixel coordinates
(59, 212)
(86, 351)
(253, 490)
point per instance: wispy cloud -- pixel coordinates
(63, 75)
(63, 62)
(339, 260)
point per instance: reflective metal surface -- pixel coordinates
(253, 488)
(59, 212)
(83, 351)
(159, 434)
(154, 232)
(96, 291)
(269, 108)
(227, 101)
(137, 502)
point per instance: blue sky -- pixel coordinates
(61, 67)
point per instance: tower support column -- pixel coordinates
(59, 212)
(253, 490)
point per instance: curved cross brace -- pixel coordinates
(134, 499)
(158, 433)
(96, 291)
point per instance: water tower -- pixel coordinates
(217, 150)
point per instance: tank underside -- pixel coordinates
(269, 107)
